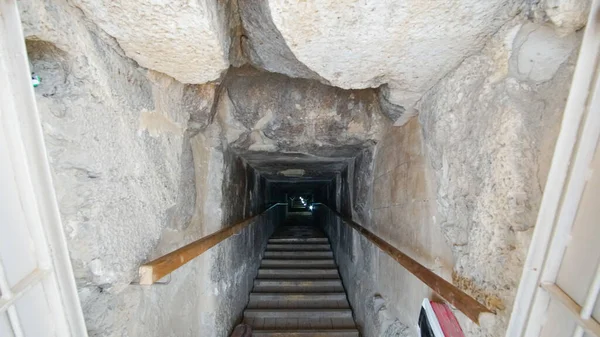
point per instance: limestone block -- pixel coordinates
(265, 46)
(382, 191)
(117, 138)
(386, 159)
(303, 116)
(393, 111)
(568, 15)
(489, 137)
(362, 44)
(187, 40)
(538, 51)
(400, 192)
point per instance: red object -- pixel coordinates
(447, 320)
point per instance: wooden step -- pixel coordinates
(306, 333)
(282, 273)
(298, 246)
(299, 319)
(298, 236)
(299, 240)
(297, 286)
(298, 301)
(298, 255)
(291, 264)
(298, 313)
(298, 230)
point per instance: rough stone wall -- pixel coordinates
(360, 174)
(401, 48)
(391, 196)
(459, 188)
(139, 170)
(237, 259)
(303, 116)
(358, 262)
(406, 45)
(489, 128)
(114, 133)
(402, 214)
(567, 16)
(187, 40)
(212, 290)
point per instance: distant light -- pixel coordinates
(310, 207)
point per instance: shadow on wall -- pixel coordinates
(49, 63)
(118, 139)
(357, 259)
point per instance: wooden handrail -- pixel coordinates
(456, 297)
(156, 269)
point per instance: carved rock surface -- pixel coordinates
(489, 133)
(277, 122)
(187, 40)
(117, 137)
(359, 44)
(568, 15)
(272, 112)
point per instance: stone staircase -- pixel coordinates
(298, 291)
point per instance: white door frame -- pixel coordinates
(24, 166)
(575, 148)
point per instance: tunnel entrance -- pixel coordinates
(299, 202)
(334, 176)
(157, 139)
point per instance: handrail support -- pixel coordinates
(449, 292)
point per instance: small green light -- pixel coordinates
(35, 80)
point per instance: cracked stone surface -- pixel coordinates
(187, 40)
(272, 112)
(408, 45)
(568, 15)
(126, 147)
(304, 125)
(489, 131)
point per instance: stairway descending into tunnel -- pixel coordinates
(298, 291)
